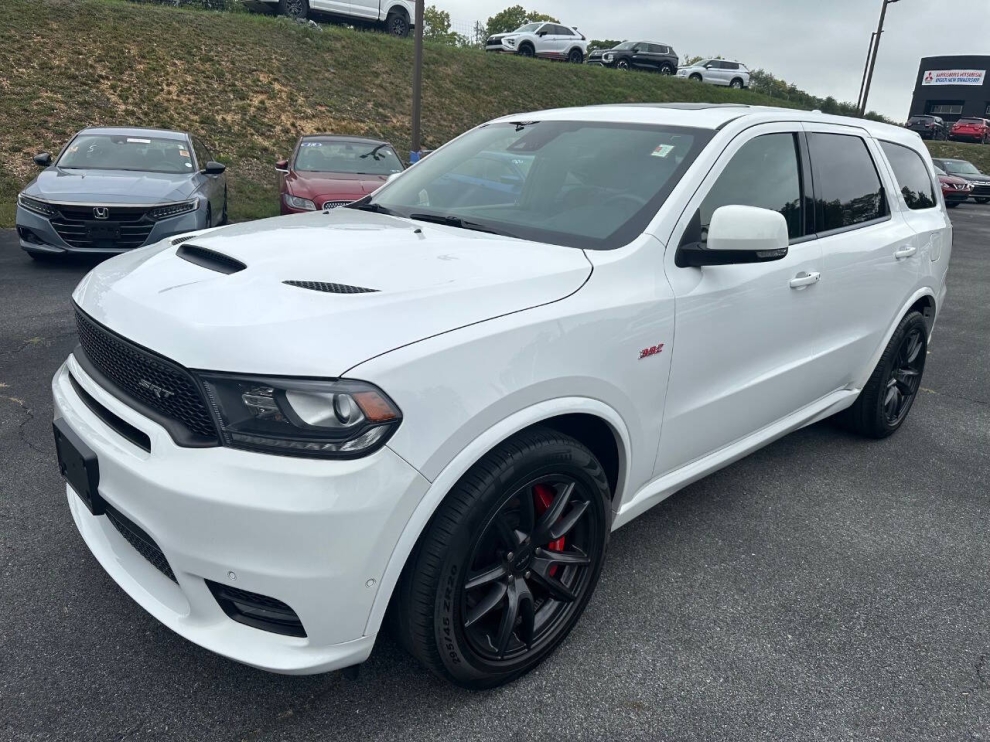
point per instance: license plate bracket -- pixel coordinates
(98, 231)
(78, 464)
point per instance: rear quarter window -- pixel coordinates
(912, 176)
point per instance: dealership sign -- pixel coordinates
(953, 77)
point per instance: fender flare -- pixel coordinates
(468, 457)
(875, 358)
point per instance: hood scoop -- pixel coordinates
(330, 288)
(210, 259)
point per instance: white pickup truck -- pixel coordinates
(394, 15)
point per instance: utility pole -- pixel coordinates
(866, 69)
(417, 91)
(876, 53)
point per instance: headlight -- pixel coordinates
(510, 42)
(608, 57)
(164, 212)
(38, 207)
(299, 203)
(302, 417)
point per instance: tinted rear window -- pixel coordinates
(912, 176)
(847, 188)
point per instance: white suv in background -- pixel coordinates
(443, 398)
(395, 16)
(547, 40)
(717, 72)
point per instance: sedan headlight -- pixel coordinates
(299, 203)
(38, 207)
(302, 417)
(166, 212)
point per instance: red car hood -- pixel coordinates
(331, 186)
(952, 180)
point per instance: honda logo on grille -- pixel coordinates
(101, 212)
(159, 392)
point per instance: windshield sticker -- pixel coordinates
(131, 140)
(663, 150)
(184, 153)
(188, 164)
(311, 144)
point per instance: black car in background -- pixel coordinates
(637, 55)
(928, 127)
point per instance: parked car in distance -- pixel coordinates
(117, 188)
(637, 55)
(546, 40)
(954, 190)
(441, 400)
(970, 130)
(717, 72)
(967, 171)
(928, 127)
(327, 171)
(394, 16)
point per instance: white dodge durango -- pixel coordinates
(438, 402)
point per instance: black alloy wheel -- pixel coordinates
(397, 24)
(622, 64)
(527, 51)
(576, 56)
(508, 563)
(905, 377)
(666, 70)
(296, 9)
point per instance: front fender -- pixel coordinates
(469, 456)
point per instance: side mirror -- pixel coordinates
(43, 160)
(738, 234)
(215, 168)
(542, 33)
(708, 66)
(282, 166)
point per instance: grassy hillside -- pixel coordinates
(250, 84)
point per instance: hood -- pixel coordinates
(427, 279)
(110, 186)
(332, 186)
(972, 177)
(952, 180)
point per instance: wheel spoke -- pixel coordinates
(486, 604)
(564, 525)
(556, 509)
(509, 537)
(913, 347)
(485, 577)
(557, 589)
(509, 616)
(577, 557)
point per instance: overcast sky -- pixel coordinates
(818, 45)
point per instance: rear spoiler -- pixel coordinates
(583, 37)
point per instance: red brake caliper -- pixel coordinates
(543, 495)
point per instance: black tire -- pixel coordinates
(622, 64)
(295, 9)
(575, 56)
(696, 77)
(884, 404)
(527, 50)
(736, 84)
(469, 640)
(666, 69)
(982, 200)
(397, 24)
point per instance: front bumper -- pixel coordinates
(316, 535)
(36, 233)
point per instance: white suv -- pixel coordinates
(548, 40)
(443, 398)
(717, 72)
(395, 16)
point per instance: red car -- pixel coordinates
(327, 171)
(954, 190)
(971, 130)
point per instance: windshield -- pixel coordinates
(625, 45)
(940, 171)
(528, 28)
(124, 152)
(961, 167)
(337, 156)
(581, 184)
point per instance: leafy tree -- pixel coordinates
(436, 27)
(512, 18)
(602, 44)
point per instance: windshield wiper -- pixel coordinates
(456, 221)
(372, 207)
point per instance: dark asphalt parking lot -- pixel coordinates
(824, 588)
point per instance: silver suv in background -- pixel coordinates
(717, 72)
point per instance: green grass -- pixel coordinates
(978, 154)
(250, 84)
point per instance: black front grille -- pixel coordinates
(330, 288)
(981, 191)
(256, 610)
(76, 225)
(141, 541)
(158, 384)
(327, 205)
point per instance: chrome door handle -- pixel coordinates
(804, 279)
(905, 252)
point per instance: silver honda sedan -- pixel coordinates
(114, 189)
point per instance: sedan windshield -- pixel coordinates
(342, 156)
(581, 184)
(961, 167)
(139, 153)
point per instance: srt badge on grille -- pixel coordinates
(159, 392)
